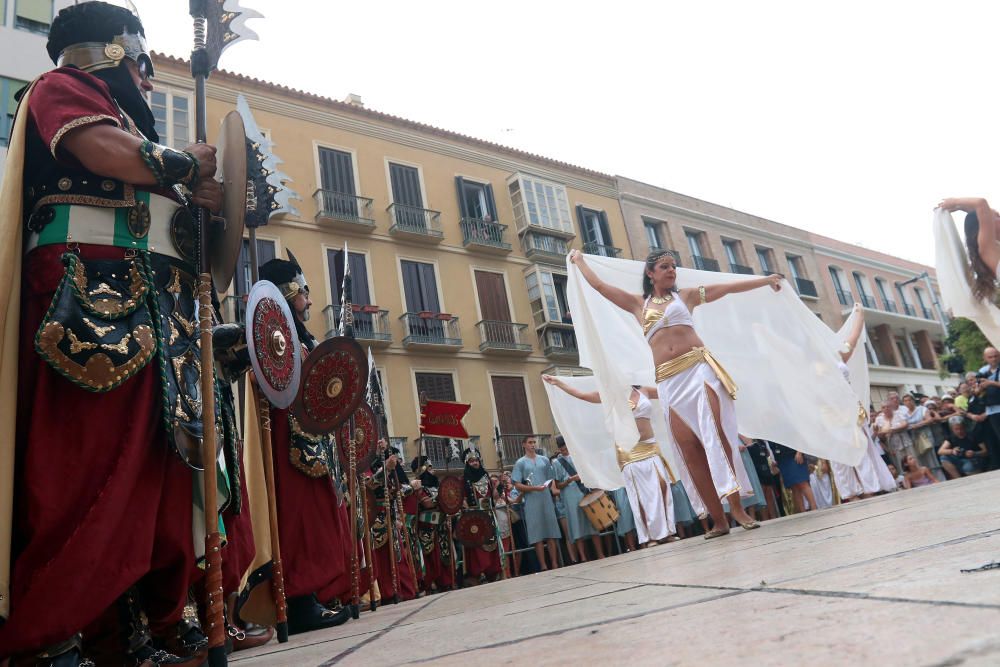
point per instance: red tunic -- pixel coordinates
(315, 532)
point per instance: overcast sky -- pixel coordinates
(850, 119)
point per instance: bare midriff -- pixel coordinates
(645, 427)
(671, 342)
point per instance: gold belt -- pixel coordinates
(641, 452)
(691, 359)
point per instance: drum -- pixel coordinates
(599, 509)
(475, 529)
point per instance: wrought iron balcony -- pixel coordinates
(344, 210)
(909, 309)
(927, 313)
(234, 309)
(512, 448)
(591, 248)
(431, 330)
(739, 268)
(544, 248)
(502, 337)
(484, 234)
(415, 222)
(890, 306)
(705, 263)
(868, 301)
(806, 287)
(370, 323)
(845, 298)
(559, 342)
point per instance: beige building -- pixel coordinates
(905, 328)
(457, 249)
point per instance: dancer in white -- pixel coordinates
(871, 475)
(696, 392)
(647, 474)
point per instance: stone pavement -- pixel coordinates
(872, 582)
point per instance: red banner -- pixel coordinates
(443, 419)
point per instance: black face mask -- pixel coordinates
(130, 98)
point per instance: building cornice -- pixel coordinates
(384, 130)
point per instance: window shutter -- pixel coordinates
(491, 202)
(405, 185)
(605, 230)
(492, 296)
(463, 207)
(359, 279)
(336, 171)
(513, 412)
(436, 386)
(583, 224)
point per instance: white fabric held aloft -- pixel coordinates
(778, 352)
(954, 279)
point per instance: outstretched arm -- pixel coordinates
(589, 396)
(631, 303)
(855, 334)
(693, 296)
(987, 238)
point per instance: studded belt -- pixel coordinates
(155, 223)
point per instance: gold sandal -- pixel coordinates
(750, 525)
(716, 532)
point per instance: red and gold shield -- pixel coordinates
(361, 433)
(273, 344)
(334, 378)
(475, 529)
(451, 494)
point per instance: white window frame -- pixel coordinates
(563, 224)
(653, 228)
(168, 138)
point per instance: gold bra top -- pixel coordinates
(650, 316)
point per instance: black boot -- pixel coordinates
(64, 654)
(139, 648)
(305, 613)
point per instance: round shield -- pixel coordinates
(226, 239)
(334, 378)
(475, 529)
(363, 431)
(451, 494)
(273, 344)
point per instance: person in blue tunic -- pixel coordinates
(573, 491)
(532, 476)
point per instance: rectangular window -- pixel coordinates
(360, 294)
(732, 252)
(795, 266)
(243, 277)
(539, 203)
(173, 121)
(653, 236)
(435, 386)
(8, 87)
(594, 225)
(420, 287)
(840, 287)
(511, 401)
(694, 243)
(475, 200)
(766, 261)
(407, 197)
(336, 171)
(883, 291)
(905, 354)
(33, 15)
(492, 292)
(547, 296)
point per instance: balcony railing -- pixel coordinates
(431, 329)
(501, 336)
(484, 233)
(739, 268)
(370, 323)
(890, 305)
(444, 453)
(343, 207)
(420, 222)
(591, 248)
(927, 313)
(559, 343)
(909, 309)
(868, 301)
(544, 247)
(512, 448)
(845, 298)
(705, 263)
(806, 287)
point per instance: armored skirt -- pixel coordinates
(647, 483)
(102, 502)
(683, 385)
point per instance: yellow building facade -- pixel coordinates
(457, 250)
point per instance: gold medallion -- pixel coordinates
(114, 52)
